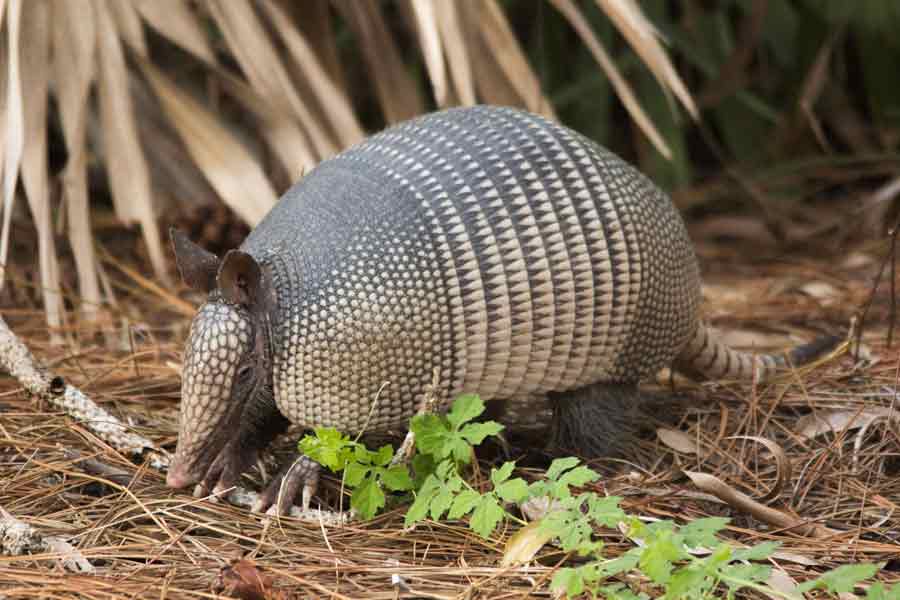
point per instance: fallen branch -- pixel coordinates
(17, 359)
(18, 539)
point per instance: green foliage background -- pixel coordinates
(751, 107)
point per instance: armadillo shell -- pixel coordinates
(511, 254)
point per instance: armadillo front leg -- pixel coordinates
(302, 472)
(260, 424)
(598, 420)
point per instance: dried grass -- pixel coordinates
(145, 540)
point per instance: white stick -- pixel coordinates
(17, 359)
(18, 538)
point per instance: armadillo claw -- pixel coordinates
(201, 490)
(281, 491)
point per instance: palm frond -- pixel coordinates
(235, 99)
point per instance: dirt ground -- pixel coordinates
(834, 424)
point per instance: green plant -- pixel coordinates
(365, 472)
(679, 561)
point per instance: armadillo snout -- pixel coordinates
(219, 337)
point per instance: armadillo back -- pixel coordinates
(512, 254)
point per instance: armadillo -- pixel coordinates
(511, 254)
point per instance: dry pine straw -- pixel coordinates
(148, 541)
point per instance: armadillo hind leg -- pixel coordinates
(300, 473)
(598, 420)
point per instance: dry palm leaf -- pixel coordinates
(623, 90)
(626, 15)
(429, 39)
(397, 93)
(128, 25)
(457, 48)
(74, 42)
(177, 182)
(3, 69)
(125, 163)
(35, 77)
(176, 21)
(279, 129)
(15, 129)
(314, 19)
(339, 111)
(490, 81)
(260, 62)
(504, 48)
(231, 169)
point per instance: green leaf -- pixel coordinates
(623, 563)
(464, 409)
(556, 523)
(441, 503)
(719, 556)
(559, 465)
(877, 591)
(361, 454)
(459, 449)
(605, 510)
(578, 477)
(463, 504)
(657, 557)
(702, 532)
(685, 581)
(514, 490)
(500, 475)
(758, 552)
(419, 509)
(576, 536)
(368, 498)
(445, 470)
(325, 447)
(568, 580)
(384, 455)
(431, 433)
(739, 576)
(354, 473)
(397, 479)
(423, 465)
(474, 433)
(840, 580)
(486, 516)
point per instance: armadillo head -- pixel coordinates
(225, 357)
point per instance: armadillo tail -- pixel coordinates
(708, 357)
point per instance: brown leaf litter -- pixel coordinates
(812, 462)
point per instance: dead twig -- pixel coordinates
(18, 361)
(892, 319)
(18, 538)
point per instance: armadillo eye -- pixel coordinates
(244, 372)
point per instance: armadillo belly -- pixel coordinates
(509, 253)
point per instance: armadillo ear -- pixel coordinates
(198, 267)
(240, 279)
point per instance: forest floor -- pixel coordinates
(835, 423)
